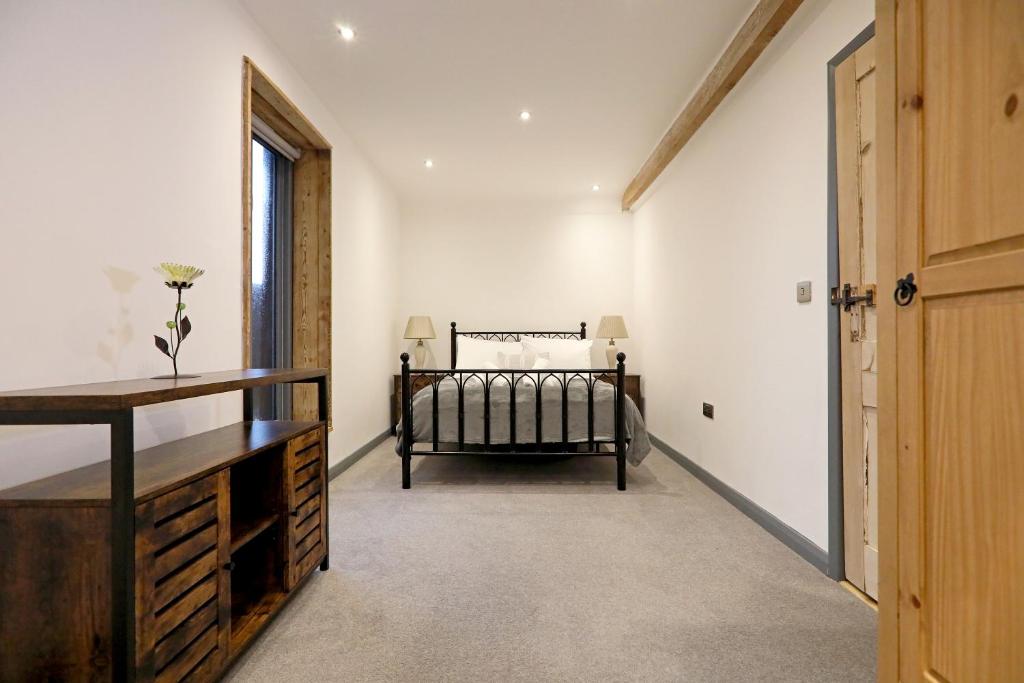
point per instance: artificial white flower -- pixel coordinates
(177, 275)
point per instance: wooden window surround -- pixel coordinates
(311, 221)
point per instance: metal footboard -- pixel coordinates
(513, 381)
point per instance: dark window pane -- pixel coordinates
(270, 313)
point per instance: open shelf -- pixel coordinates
(257, 583)
(164, 467)
(252, 530)
(257, 502)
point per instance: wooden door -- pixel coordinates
(305, 484)
(959, 228)
(857, 211)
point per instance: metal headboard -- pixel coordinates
(513, 336)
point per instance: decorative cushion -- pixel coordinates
(564, 354)
(510, 361)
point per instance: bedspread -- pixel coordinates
(638, 444)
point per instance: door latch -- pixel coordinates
(850, 295)
(905, 290)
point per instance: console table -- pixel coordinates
(174, 579)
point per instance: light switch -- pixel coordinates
(803, 292)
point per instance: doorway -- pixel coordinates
(853, 322)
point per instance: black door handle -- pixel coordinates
(905, 290)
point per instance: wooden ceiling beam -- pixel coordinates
(767, 19)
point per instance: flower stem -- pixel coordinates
(176, 332)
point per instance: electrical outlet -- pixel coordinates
(709, 411)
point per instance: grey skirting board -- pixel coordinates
(792, 538)
(352, 459)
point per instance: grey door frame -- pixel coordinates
(836, 552)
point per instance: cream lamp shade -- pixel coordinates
(611, 327)
(419, 328)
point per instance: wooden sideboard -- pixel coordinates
(225, 527)
(420, 381)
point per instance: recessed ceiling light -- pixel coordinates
(525, 116)
(347, 33)
(429, 163)
(595, 188)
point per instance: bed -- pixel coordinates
(497, 409)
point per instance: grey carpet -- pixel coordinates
(496, 570)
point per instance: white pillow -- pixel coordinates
(564, 354)
(541, 363)
(510, 361)
(472, 354)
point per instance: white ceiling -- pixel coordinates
(446, 80)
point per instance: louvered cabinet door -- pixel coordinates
(182, 583)
(305, 477)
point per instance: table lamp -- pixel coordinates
(612, 327)
(419, 328)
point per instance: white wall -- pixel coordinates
(720, 243)
(515, 266)
(121, 149)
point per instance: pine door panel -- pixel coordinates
(972, 142)
(857, 213)
(959, 227)
(974, 487)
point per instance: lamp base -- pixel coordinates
(610, 353)
(420, 353)
(176, 377)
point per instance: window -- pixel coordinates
(271, 251)
(286, 244)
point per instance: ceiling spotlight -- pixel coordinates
(595, 188)
(525, 116)
(429, 163)
(347, 33)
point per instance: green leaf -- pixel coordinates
(181, 307)
(171, 324)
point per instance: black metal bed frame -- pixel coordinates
(510, 380)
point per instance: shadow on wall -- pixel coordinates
(120, 333)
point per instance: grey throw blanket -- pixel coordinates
(526, 404)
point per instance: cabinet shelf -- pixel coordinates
(251, 531)
(164, 467)
(248, 621)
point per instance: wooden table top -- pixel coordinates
(140, 392)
